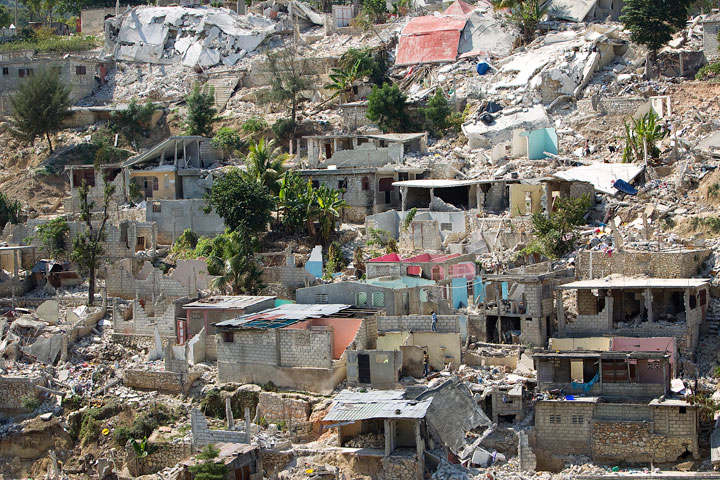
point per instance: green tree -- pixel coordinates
(375, 10)
(388, 108)
(243, 205)
(652, 23)
(525, 14)
(40, 106)
(265, 164)
(373, 63)
(134, 120)
(5, 17)
(209, 469)
(437, 112)
(54, 236)
(9, 210)
(238, 271)
(294, 197)
(201, 112)
(290, 75)
(555, 232)
(88, 249)
(329, 204)
(640, 135)
(227, 140)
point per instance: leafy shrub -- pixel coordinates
(54, 236)
(254, 125)
(283, 128)
(555, 231)
(184, 245)
(30, 402)
(212, 404)
(53, 44)
(388, 108)
(708, 72)
(437, 113)
(714, 190)
(227, 140)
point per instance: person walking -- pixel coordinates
(433, 325)
(426, 362)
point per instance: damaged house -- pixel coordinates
(396, 295)
(299, 347)
(639, 307)
(611, 406)
(364, 168)
(386, 431)
(518, 305)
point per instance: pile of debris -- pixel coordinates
(192, 36)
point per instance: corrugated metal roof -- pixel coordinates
(369, 396)
(283, 315)
(354, 411)
(227, 302)
(433, 47)
(459, 8)
(428, 24)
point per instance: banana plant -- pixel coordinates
(343, 81)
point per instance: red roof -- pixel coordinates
(459, 8)
(435, 47)
(429, 39)
(429, 24)
(390, 257)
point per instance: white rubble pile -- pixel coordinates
(202, 37)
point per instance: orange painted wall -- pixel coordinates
(344, 331)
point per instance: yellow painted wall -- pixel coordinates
(517, 199)
(438, 345)
(595, 344)
(166, 183)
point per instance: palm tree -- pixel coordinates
(239, 272)
(265, 164)
(344, 81)
(329, 204)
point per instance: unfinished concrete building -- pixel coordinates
(390, 431)
(638, 307)
(518, 305)
(455, 195)
(611, 406)
(299, 347)
(396, 295)
(204, 313)
(83, 74)
(540, 195)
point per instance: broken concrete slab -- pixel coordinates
(45, 349)
(191, 36)
(602, 175)
(49, 311)
(500, 130)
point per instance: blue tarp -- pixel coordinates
(482, 68)
(624, 187)
(586, 386)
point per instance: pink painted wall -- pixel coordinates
(652, 344)
(344, 331)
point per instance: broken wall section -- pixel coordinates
(150, 283)
(671, 264)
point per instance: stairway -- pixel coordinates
(713, 317)
(224, 84)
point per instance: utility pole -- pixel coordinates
(16, 24)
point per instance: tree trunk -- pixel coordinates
(91, 287)
(47, 134)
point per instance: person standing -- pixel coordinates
(433, 325)
(426, 362)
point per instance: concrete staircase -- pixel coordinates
(224, 84)
(713, 317)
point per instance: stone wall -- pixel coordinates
(159, 380)
(165, 455)
(293, 409)
(14, 389)
(401, 468)
(674, 264)
(635, 442)
(275, 460)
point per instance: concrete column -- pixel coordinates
(420, 449)
(648, 303)
(248, 426)
(403, 198)
(560, 310)
(229, 420)
(432, 195)
(388, 436)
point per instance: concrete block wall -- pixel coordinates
(634, 412)
(366, 338)
(680, 264)
(305, 348)
(533, 331)
(418, 323)
(121, 283)
(249, 346)
(202, 435)
(556, 431)
(669, 421)
(175, 216)
(710, 38)
(293, 409)
(142, 324)
(289, 276)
